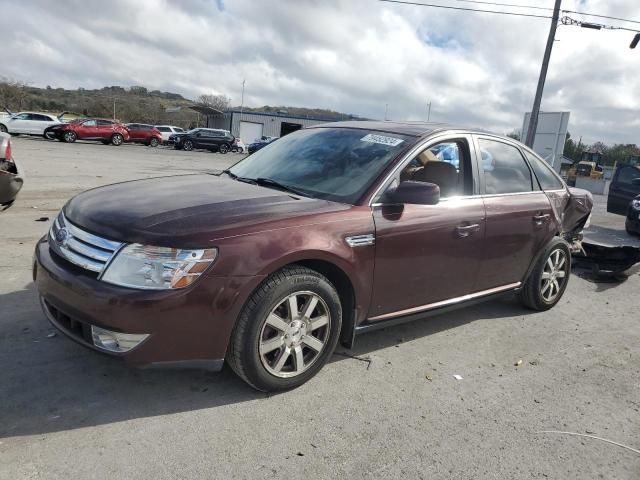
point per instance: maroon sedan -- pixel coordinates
(328, 232)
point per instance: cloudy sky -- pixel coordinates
(353, 56)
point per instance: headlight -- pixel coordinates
(158, 268)
(635, 204)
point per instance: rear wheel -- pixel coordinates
(548, 280)
(287, 330)
(224, 148)
(627, 227)
(187, 145)
(117, 139)
(70, 137)
(3, 128)
(154, 142)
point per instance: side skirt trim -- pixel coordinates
(382, 321)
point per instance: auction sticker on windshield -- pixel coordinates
(382, 139)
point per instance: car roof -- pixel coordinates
(37, 113)
(415, 129)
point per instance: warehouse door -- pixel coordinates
(250, 131)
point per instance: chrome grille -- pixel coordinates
(79, 247)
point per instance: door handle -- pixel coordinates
(541, 218)
(466, 230)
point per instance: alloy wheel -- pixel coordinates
(117, 140)
(153, 142)
(294, 334)
(3, 129)
(70, 137)
(224, 148)
(554, 275)
(187, 145)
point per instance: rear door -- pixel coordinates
(519, 215)
(104, 129)
(39, 122)
(623, 189)
(427, 255)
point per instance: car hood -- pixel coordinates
(188, 210)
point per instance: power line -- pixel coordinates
(449, 7)
(506, 5)
(601, 16)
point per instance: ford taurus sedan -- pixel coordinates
(327, 233)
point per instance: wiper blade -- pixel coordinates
(268, 182)
(240, 179)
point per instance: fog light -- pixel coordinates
(116, 341)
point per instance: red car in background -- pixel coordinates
(143, 133)
(101, 129)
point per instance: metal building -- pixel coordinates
(250, 126)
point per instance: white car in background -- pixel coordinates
(167, 130)
(28, 123)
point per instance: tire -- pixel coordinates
(235, 150)
(549, 278)
(49, 135)
(69, 137)
(154, 142)
(627, 227)
(3, 128)
(224, 148)
(187, 145)
(265, 354)
(117, 139)
(104, 142)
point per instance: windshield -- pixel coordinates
(336, 164)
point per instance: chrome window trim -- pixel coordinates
(471, 197)
(444, 303)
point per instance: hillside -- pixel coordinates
(132, 104)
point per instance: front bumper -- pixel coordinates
(189, 327)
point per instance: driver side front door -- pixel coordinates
(428, 255)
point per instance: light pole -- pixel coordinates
(533, 121)
(242, 98)
(386, 111)
(429, 112)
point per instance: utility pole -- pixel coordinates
(114, 108)
(429, 113)
(242, 99)
(386, 111)
(535, 111)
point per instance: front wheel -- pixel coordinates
(3, 128)
(224, 148)
(154, 142)
(548, 280)
(287, 330)
(70, 137)
(117, 139)
(187, 145)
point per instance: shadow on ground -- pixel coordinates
(51, 384)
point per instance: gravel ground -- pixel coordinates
(390, 408)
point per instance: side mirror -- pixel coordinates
(416, 193)
(636, 182)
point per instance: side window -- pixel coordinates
(89, 123)
(505, 170)
(546, 176)
(627, 175)
(447, 164)
(22, 116)
(41, 118)
(163, 129)
(104, 123)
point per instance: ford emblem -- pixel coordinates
(61, 236)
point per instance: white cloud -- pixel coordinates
(353, 56)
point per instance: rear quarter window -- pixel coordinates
(546, 176)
